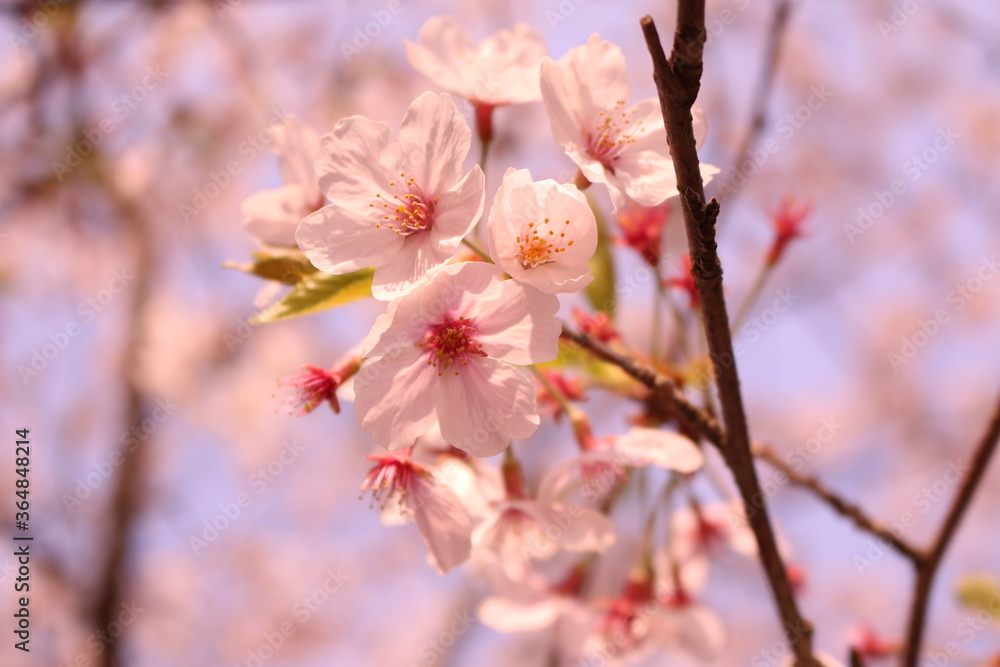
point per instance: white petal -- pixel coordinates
(394, 398)
(484, 406)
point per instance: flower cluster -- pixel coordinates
(470, 302)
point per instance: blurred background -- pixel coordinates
(182, 517)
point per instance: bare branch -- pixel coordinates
(927, 567)
(838, 503)
(677, 82)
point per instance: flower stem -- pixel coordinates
(682, 337)
(561, 399)
(654, 344)
(476, 249)
(751, 298)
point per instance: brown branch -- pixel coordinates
(928, 566)
(677, 82)
(838, 503)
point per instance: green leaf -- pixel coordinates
(600, 292)
(317, 292)
(288, 269)
(980, 592)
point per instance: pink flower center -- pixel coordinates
(615, 130)
(390, 478)
(406, 212)
(540, 243)
(451, 342)
(310, 389)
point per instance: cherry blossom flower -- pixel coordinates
(797, 577)
(570, 387)
(476, 483)
(642, 229)
(444, 353)
(542, 233)
(604, 463)
(656, 612)
(597, 325)
(585, 93)
(534, 603)
(869, 644)
(315, 385)
(523, 529)
(442, 520)
(271, 216)
(502, 70)
(400, 205)
(701, 530)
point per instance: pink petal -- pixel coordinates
(505, 615)
(272, 216)
(337, 240)
(508, 64)
(664, 449)
(646, 176)
(457, 211)
(519, 325)
(696, 630)
(484, 406)
(435, 140)
(587, 80)
(440, 51)
(356, 161)
(581, 529)
(297, 145)
(399, 274)
(394, 398)
(443, 522)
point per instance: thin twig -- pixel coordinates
(705, 426)
(765, 84)
(678, 82)
(927, 568)
(660, 385)
(838, 503)
(129, 479)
